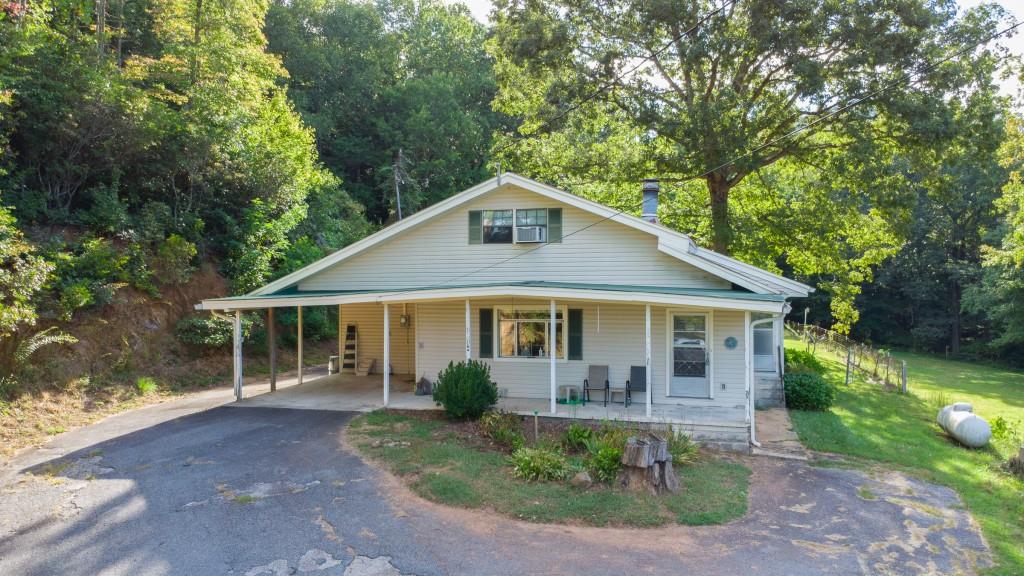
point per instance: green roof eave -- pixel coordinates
(290, 293)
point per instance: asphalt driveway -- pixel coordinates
(253, 491)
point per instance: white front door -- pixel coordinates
(689, 352)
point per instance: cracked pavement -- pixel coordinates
(262, 491)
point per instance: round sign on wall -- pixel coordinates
(730, 342)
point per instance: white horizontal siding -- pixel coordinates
(369, 321)
(439, 251)
(613, 334)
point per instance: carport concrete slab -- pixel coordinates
(342, 392)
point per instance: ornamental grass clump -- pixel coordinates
(541, 463)
(465, 390)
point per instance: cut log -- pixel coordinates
(637, 453)
(668, 474)
(647, 465)
(659, 448)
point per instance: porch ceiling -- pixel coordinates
(666, 295)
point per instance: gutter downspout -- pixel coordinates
(750, 369)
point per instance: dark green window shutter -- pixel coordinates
(486, 333)
(554, 224)
(576, 334)
(475, 230)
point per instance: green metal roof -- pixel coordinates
(705, 292)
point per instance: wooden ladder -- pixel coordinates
(350, 351)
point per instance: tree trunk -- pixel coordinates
(721, 232)
(196, 27)
(954, 329)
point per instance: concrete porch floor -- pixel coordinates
(348, 392)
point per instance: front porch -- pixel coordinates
(348, 392)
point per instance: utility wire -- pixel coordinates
(849, 105)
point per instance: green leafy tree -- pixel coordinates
(377, 79)
(748, 75)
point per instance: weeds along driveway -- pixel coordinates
(252, 491)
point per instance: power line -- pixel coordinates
(845, 107)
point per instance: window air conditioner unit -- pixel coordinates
(529, 234)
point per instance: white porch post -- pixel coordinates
(387, 354)
(237, 354)
(552, 354)
(469, 335)
(299, 339)
(272, 345)
(748, 370)
(647, 355)
(341, 341)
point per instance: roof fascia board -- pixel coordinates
(441, 294)
(720, 271)
(752, 270)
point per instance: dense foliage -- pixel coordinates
(808, 391)
(465, 389)
(803, 361)
(140, 142)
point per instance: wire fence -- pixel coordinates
(875, 364)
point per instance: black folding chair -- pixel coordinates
(637, 382)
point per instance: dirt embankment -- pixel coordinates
(132, 337)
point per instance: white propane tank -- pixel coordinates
(960, 422)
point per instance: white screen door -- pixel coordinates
(689, 356)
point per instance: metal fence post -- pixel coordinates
(903, 378)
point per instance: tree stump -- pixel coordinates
(647, 466)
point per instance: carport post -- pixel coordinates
(387, 354)
(272, 346)
(237, 354)
(299, 338)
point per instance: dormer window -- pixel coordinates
(519, 226)
(496, 226)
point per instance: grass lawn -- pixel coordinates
(872, 424)
(443, 466)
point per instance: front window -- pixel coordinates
(497, 226)
(526, 333)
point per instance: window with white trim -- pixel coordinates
(525, 333)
